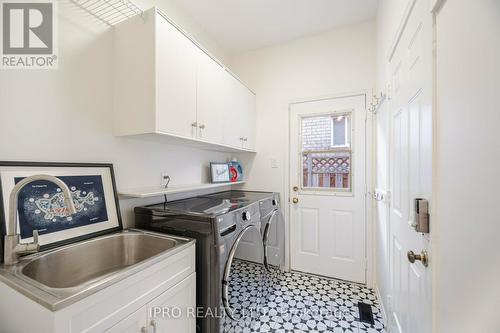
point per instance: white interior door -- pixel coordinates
(327, 180)
(410, 108)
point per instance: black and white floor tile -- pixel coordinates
(296, 302)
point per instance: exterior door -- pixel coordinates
(410, 108)
(327, 180)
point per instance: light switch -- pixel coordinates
(274, 162)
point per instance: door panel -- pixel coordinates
(410, 108)
(344, 234)
(309, 231)
(327, 166)
(176, 305)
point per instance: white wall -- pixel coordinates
(66, 114)
(339, 61)
(467, 227)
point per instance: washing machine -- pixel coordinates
(230, 286)
(272, 227)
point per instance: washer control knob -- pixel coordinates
(246, 216)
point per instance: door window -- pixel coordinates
(326, 152)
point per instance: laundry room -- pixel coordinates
(227, 166)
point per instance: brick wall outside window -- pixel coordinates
(317, 133)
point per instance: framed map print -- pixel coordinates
(41, 206)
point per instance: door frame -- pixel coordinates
(369, 177)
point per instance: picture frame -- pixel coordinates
(219, 172)
(40, 204)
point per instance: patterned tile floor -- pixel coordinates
(297, 302)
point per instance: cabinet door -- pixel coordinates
(233, 110)
(174, 310)
(248, 116)
(134, 323)
(176, 59)
(211, 93)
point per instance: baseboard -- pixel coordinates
(382, 308)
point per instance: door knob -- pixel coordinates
(423, 257)
(202, 126)
(152, 323)
(295, 200)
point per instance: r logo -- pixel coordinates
(27, 28)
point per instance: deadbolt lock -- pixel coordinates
(423, 257)
(295, 200)
(295, 188)
(421, 220)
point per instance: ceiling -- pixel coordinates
(241, 25)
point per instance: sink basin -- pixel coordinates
(62, 276)
(87, 261)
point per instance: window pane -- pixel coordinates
(327, 170)
(339, 131)
(317, 133)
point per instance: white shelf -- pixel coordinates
(192, 142)
(154, 191)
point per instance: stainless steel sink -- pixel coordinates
(87, 261)
(57, 278)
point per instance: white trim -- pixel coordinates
(402, 24)
(382, 309)
(370, 248)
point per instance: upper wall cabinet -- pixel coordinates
(167, 86)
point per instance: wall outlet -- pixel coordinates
(274, 162)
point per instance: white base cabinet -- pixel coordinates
(160, 299)
(166, 85)
(172, 311)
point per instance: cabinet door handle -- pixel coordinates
(144, 329)
(245, 139)
(242, 138)
(195, 124)
(152, 323)
(202, 126)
